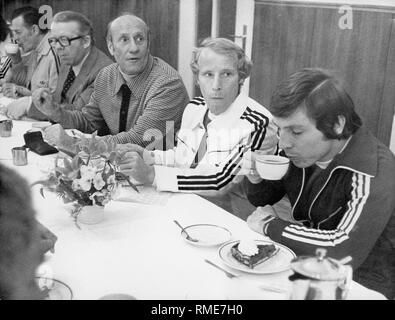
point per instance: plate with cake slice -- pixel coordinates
(206, 235)
(256, 256)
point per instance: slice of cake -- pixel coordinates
(252, 256)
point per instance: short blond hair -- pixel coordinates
(226, 47)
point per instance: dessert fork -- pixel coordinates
(227, 273)
(186, 233)
(262, 286)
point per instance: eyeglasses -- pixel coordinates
(63, 41)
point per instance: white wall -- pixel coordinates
(186, 42)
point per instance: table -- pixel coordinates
(138, 250)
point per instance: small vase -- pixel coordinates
(91, 215)
(96, 162)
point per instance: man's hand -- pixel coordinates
(10, 90)
(133, 165)
(56, 135)
(131, 147)
(147, 155)
(254, 177)
(43, 101)
(18, 108)
(258, 220)
(47, 239)
(248, 168)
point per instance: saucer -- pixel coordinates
(206, 234)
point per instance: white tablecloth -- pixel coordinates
(138, 250)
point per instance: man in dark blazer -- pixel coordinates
(80, 62)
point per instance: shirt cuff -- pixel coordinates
(165, 178)
(165, 158)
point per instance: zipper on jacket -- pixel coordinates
(300, 193)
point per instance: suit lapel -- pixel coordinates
(61, 80)
(87, 67)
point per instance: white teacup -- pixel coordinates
(11, 48)
(271, 167)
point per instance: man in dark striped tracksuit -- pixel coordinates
(341, 181)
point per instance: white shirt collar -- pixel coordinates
(226, 119)
(78, 67)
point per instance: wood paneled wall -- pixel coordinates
(226, 22)
(227, 19)
(161, 16)
(288, 37)
(204, 19)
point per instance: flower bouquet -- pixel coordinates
(87, 177)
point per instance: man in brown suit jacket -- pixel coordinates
(72, 39)
(81, 88)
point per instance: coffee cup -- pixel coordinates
(5, 128)
(11, 48)
(271, 167)
(19, 156)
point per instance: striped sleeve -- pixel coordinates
(360, 189)
(214, 181)
(211, 177)
(260, 123)
(5, 66)
(198, 101)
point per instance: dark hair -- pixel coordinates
(17, 227)
(84, 23)
(324, 98)
(4, 30)
(30, 15)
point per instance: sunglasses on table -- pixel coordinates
(63, 41)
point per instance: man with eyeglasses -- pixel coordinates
(39, 67)
(72, 39)
(139, 99)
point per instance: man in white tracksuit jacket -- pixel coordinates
(218, 131)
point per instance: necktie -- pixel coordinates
(123, 114)
(203, 143)
(67, 84)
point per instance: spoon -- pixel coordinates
(186, 233)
